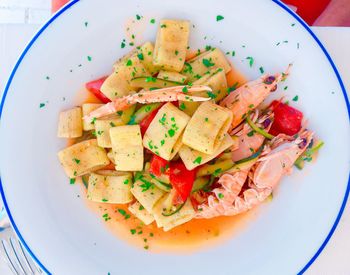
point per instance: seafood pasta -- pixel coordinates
(171, 141)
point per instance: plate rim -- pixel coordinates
(282, 6)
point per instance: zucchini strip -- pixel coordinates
(257, 129)
(170, 213)
(141, 113)
(299, 163)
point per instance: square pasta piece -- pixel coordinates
(118, 83)
(193, 158)
(207, 127)
(171, 44)
(185, 214)
(111, 187)
(141, 213)
(200, 65)
(82, 158)
(145, 191)
(70, 124)
(163, 136)
(127, 147)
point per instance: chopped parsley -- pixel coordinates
(207, 63)
(77, 161)
(219, 18)
(129, 62)
(41, 105)
(162, 142)
(261, 69)
(211, 95)
(182, 106)
(122, 212)
(122, 45)
(206, 119)
(112, 124)
(251, 133)
(86, 24)
(106, 217)
(198, 160)
(176, 52)
(150, 79)
(72, 180)
(295, 98)
(138, 17)
(141, 208)
(133, 231)
(140, 56)
(251, 61)
(89, 58)
(232, 88)
(185, 89)
(126, 181)
(163, 26)
(152, 21)
(47, 77)
(251, 106)
(104, 200)
(217, 172)
(99, 132)
(171, 132)
(221, 196)
(93, 120)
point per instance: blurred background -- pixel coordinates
(314, 12)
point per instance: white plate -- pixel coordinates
(66, 238)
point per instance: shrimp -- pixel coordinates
(264, 177)
(144, 97)
(249, 144)
(250, 95)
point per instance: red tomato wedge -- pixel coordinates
(144, 124)
(182, 180)
(94, 88)
(159, 166)
(287, 120)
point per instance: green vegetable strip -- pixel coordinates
(144, 111)
(173, 212)
(216, 168)
(255, 155)
(258, 129)
(299, 163)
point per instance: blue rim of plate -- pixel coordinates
(284, 7)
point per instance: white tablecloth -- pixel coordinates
(335, 257)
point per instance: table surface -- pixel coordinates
(334, 259)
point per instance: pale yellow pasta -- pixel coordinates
(146, 192)
(102, 127)
(172, 76)
(200, 65)
(163, 134)
(112, 188)
(193, 158)
(171, 44)
(141, 213)
(70, 123)
(207, 127)
(118, 83)
(185, 214)
(145, 54)
(82, 158)
(127, 147)
(87, 108)
(216, 80)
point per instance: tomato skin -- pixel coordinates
(287, 120)
(94, 88)
(182, 180)
(158, 166)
